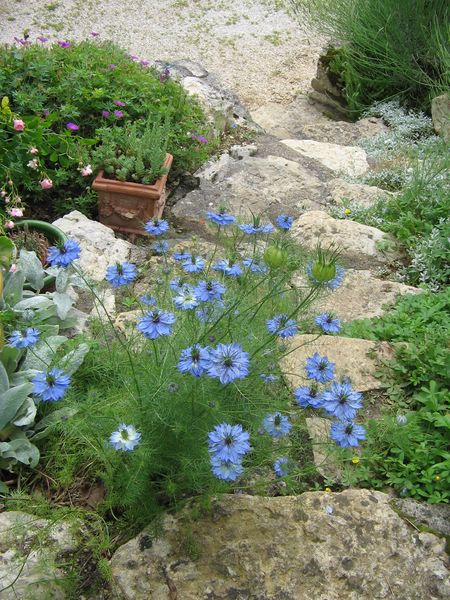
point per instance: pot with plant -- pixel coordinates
(132, 166)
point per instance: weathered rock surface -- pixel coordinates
(342, 192)
(263, 185)
(360, 296)
(322, 546)
(222, 106)
(434, 516)
(358, 244)
(354, 358)
(324, 459)
(30, 550)
(99, 246)
(349, 160)
(304, 120)
(440, 113)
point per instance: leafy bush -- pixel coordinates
(410, 450)
(84, 88)
(390, 48)
(135, 152)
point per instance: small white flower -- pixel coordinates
(33, 164)
(126, 438)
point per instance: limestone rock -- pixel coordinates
(349, 160)
(99, 246)
(343, 192)
(354, 358)
(434, 516)
(324, 458)
(440, 112)
(358, 244)
(360, 296)
(222, 106)
(30, 549)
(322, 546)
(268, 186)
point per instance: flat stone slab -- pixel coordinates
(349, 160)
(29, 551)
(322, 546)
(354, 358)
(359, 245)
(360, 296)
(324, 458)
(343, 193)
(434, 516)
(266, 186)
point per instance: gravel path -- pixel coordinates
(256, 48)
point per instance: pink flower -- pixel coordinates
(64, 44)
(46, 183)
(33, 150)
(45, 112)
(118, 113)
(144, 62)
(199, 138)
(13, 267)
(112, 66)
(94, 33)
(42, 39)
(119, 103)
(9, 224)
(105, 113)
(72, 126)
(16, 212)
(33, 164)
(19, 125)
(86, 171)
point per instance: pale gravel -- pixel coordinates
(255, 47)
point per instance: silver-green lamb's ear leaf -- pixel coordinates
(11, 401)
(63, 303)
(20, 449)
(22, 376)
(57, 416)
(13, 287)
(4, 380)
(32, 269)
(26, 414)
(4, 489)
(62, 279)
(43, 353)
(9, 357)
(34, 303)
(74, 359)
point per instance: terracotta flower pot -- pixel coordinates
(126, 206)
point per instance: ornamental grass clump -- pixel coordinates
(188, 398)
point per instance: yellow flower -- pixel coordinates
(437, 478)
(355, 460)
(347, 211)
(328, 490)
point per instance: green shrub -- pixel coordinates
(94, 86)
(390, 48)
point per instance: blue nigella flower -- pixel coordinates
(228, 442)
(180, 256)
(255, 267)
(276, 424)
(160, 247)
(308, 396)
(194, 360)
(284, 222)
(195, 264)
(221, 218)
(268, 378)
(319, 368)
(347, 433)
(210, 290)
(126, 438)
(332, 284)
(228, 362)
(156, 226)
(156, 323)
(210, 312)
(121, 274)
(282, 326)
(50, 386)
(63, 256)
(147, 300)
(186, 299)
(328, 323)
(225, 469)
(21, 340)
(228, 267)
(341, 401)
(176, 284)
(281, 466)
(251, 229)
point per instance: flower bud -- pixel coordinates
(275, 257)
(323, 271)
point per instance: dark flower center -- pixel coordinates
(156, 318)
(277, 421)
(50, 380)
(195, 354)
(209, 286)
(119, 269)
(228, 361)
(228, 440)
(322, 366)
(313, 392)
(342, 398)
(349, 429)
(329, 320)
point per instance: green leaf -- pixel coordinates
(6, 251)
(13, 290)
(63, 303)
(11, 401)
(9, 357)
(4, 381)
(32, 269)
(53, 157)
(20, 449)
(43, 353)
(62, 414)
(74, 359)
(62, 279)
(26, 414)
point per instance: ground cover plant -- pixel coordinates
(408, 447)
(66, 94)
(386, 48)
